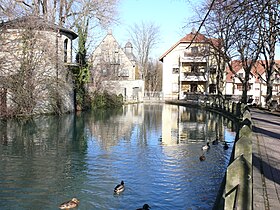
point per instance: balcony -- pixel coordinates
(193, 77)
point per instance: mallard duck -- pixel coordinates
(206, 147)
(69, 204)
(202, 157)
(119, 188)
(225, 146)
(215, 142)
(145, 207)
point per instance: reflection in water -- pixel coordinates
(155, 149)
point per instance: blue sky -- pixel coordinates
(171, 16)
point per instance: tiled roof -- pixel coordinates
(35, 22)
(194, 37)
(257, 69)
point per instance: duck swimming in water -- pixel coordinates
(206, 147)
(69, 204)
(215, 142)
(202, 157)
(225, 146)
(119, 188)
(145, 207)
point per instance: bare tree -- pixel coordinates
(154, 76)
(29, 79)
(269, 28)
(144, 39)
(82, 16)
(236, 26)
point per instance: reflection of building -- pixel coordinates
(180, 124)
(257, 85)
(169, 124)
(118, 126)
(35, 56)
(115, 69)
(188, 67)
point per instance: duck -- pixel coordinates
(69, 204)
(206, 147)
(119, 188)
(202, 157)
(145, 207)
(225, 146)
(215, 142)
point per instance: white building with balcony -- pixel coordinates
(188, 67)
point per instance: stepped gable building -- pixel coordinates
(114, 69)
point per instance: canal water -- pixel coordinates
(154, 149)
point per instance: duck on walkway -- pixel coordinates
(69, 204)
(119, 188)
(145, 207)
(206, 147)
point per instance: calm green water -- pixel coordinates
(154, 149)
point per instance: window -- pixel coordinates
(213, 70)
(194, 50)
(65, 49)
(193, 87)
(212, 88)
(239, 87)
(175, 70)
(104, 72)
(123, 73)
(194, 68)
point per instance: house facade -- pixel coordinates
(35, 57)
(257, 85)
(114, 69)
(189, 68)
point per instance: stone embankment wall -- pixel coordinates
(236, 189)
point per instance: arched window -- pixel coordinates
(65, 49)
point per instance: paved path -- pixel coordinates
(266, 160)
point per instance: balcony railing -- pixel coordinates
(194, 59)
(193, 76)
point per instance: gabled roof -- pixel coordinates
(107, 40)
(194, 37)
(257, 69)
(35, 22)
